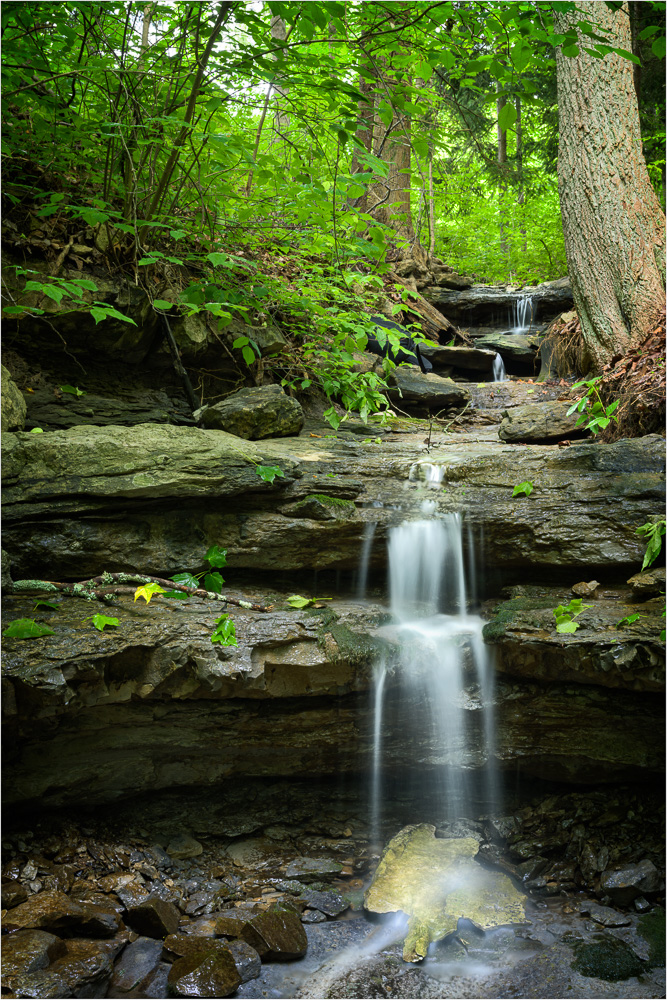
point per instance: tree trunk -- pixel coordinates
(502, 161)
(612, 221)
(389, 200)
(521, 191)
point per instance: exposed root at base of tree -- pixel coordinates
(566, 342)
(638, 380)
(106, 586)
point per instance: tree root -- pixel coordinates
(105, 587)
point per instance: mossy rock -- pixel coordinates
(652, 929)
(320, 507)
(341, 643)
(505, 613)
(608, 959)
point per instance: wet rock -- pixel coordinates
(263, 412)
(312, 917)
(460, 356)
(131, 891)
(516, 349)
(276, 934)
(330, 903)
(641, 905)
(425, 393)
(153, 917)
(186, 945)
(29, 950)
(54, 411)
(206, 974)
(586, 589)
(136, 965)
(230, 923)
(83, 971)
(54, 911)
(604, 914)
(648, 584)
(539, 422)
(184, 846)
(625, 884)
(480, 304)
(607, 958)
(246, 960)
(12, 403)
(202, 927)
(312, 869)
(13, 893)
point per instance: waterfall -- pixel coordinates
(499, 373)
(366, 549)
(521, 317)
(442, 671)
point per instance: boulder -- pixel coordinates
(253, 414)
(84, 970)
(460, 356)
(52, 411)
(246, 959)
(540, 422)
(649, 583)
(28, 951)
(12, 403)
(13, 893)
(330, 903)
(276, 934)
(514, 348)
(414, 391)
(136, 965)
(312, 869)
(153, 917)
(56, 912)
(206, 974)
(623, 885)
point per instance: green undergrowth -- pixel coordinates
(505, 614)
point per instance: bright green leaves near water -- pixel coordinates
(523, 489)
(216, 557)
(147, 590)
(269, 472)
(26, 628)
(566, 613)
(102, 621)
(653, 534)
(224, 632)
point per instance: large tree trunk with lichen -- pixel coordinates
(389, 199)
(613, 225)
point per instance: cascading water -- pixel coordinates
(443, 671)
(521, 317)
(499, 373)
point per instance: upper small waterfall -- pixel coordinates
(499, 373)
(521, 316)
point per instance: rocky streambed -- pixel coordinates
(163, 790)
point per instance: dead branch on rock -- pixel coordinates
(105, 587)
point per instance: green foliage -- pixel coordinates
(36, 430)
(629, 620)
(26, 628)
(653, 532)
(224, 632)
(102, 621)
(269, 472)
(566, 613)
(73, 390)
(523, 489)
(45, 604)
(595, 416)
(216, 557)
(296, 601)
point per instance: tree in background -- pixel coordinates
(613, 224)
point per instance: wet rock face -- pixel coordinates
(420, 393)
(12, 402)
(480, 304)
(253, 414)
(540, 422)
(276, 934)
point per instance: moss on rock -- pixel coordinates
(505, 613)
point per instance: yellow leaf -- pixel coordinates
(148, 590)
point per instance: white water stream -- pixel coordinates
(521, 316)
(443, 672)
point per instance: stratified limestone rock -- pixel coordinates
(425, 393)
(540, 422)
(473, 359)
(12, 403)
(84, 970)
(253, 414)
(625, 884)
(649, 583)
(480, 304)
(436, 882)
(513, 348)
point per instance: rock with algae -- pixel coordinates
(436, 882)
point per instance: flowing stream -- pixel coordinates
(521, 316)
(442, 671)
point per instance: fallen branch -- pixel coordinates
(96, 589)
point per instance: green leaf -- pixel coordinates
(101, 621)
(73, 390)
(567, 627)
(658, 48)
(296, 601)
(213, 582)
(629, 620)
(147, 590)
(26, 628)
(186, 579)
(570, 51)
(36, 430)
(525, 488)
(219, 259)
(176, 595)
(215, 557)
(225, 631)
(162, 304)
(45, 604)
(507, 117)
(269, 472)
(110, 312)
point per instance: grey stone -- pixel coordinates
(204, 974)
(330, 903)
(5, 573)
(540, 422)
(28, 951)
(414, 391)
(604, 914)
(137, 963)
(246, 959)
(480, 304)
(254, 414)
(623, 885)
(313, 917)
(649, 583)
(460, 356)
(153, 917)
(13, 405)
(514, 348)
(51, 412)
(276, 934)
(183, 846)
(312, 869)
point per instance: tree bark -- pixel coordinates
(502, 161)
(521, 191)
(613, 225)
